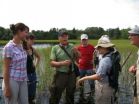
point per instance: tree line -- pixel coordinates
(93, 33)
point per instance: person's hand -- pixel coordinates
(66, 63)
(132, 69)
(79, 82)
(94, 68)
(7, 92)
(75, 49)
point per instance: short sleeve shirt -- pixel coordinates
(58, 55)
(86, 58)
(18, 58)
(104, 67)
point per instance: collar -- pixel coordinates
(64, 45)
(85, 46)
(12, 42)
(107, 54)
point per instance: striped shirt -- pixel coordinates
(18, 58)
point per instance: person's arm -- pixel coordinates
(92, 77)
(76, 53)
(54, 62)
(61, 63)
(6, 77)
(6, 64)
(7, 58)
(37, 57)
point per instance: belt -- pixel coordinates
(66, 73)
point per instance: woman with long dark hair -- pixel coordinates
(33, 59)
(14, 71)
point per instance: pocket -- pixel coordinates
(53, 84)
(98, 91)
(53, 87)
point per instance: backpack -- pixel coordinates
(113, 74)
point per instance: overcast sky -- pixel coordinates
(46, 14)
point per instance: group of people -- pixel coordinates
(65, 77)
(94, 64)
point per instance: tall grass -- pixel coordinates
(44, 70)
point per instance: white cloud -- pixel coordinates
(45, 14)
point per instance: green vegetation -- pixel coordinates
(44, 70)
(3, 42)
(93, 32)
(119, 42)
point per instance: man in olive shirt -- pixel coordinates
(134, 38)
(65, 77)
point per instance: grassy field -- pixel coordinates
(3, 42)
(119, 43)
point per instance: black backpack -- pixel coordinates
(113, 74)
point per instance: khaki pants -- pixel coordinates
(103, 93)
(61, 82)
(19, 92)
(135, 100)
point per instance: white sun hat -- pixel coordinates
(105, 42)
(84, 36)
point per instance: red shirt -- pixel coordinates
(85, 61)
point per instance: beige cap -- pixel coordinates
(105, 42)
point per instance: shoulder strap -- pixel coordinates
(66, 52)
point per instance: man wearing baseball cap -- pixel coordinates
(134, 38)
(64, 78)
(86, 60)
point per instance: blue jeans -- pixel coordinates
(88, 72)
(32, 85)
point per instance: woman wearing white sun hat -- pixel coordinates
(103, 92)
